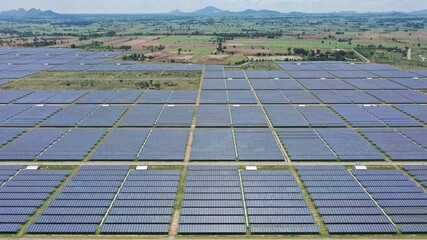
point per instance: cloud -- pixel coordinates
(158, 6)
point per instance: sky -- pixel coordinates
(162, 6)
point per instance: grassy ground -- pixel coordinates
(266, 65)
(172, 80)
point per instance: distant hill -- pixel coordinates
(31, 13)
(210, 10)
(420, 12)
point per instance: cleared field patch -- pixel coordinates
(108, 81)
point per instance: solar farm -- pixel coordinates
(316, 148)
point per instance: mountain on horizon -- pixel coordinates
(207, 11)
(31, 13)
(211, 10)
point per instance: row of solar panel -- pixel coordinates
(212, 96)
(98, 96)
(313, 84)
(213, 144)
(63, 217)
(213, 116)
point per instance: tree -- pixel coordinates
(179, 51)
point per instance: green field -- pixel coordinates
(171, 80)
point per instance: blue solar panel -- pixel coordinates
(285, 116)
(121, 144)
(183, 97)
(213, 84)
(363, 84)
(348, 145)
(8, 134)
(237, 85)
(215, 144)
(123, 97)
(417, 111)
(388, 96)
(65, 97)
(141, 116)
(30, 117)
(38, 96)
(96, 97)
(357, 116)
(74, 145)
(395, 145)
(215, 97)
(246, 116)
(241, 97)
(267, 96)
(257, 145)
(70, 116)
(391, 117)
(329, 96)
(297, 96)
(30, 145)
(288, 85)
(176, 116)
(213, 116)
(165, 144)
(415, 96)
(263, 84)
(103, 116)
(320, 116)
(305, 144)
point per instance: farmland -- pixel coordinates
(196, 39)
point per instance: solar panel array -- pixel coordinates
(343, 204)
(217, 200)
(256, 115)
(21, 62)
(394, 144)
(144, 204)
(275, 204)
(22, 192)
(213, 202)
(400, 198)
(83, 202)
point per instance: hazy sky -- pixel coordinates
(159, 6)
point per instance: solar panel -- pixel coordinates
(246, 116)
(215, 144)
(416, 111)
(174, 139)
(348, 145)
(141, 116)
(178, 116)
(213, 116)
(267, 96)
(31, 144)
(121, 144)
(123, 97)
(391, 117)
(320, 116)
(257, 145)
(241, 97)
(96, 97)
(305, 144)
(357, 116)
(103, 116)
(216, 97)
(74, 145)
(285, 116)
(30, 117)
(70, 116)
